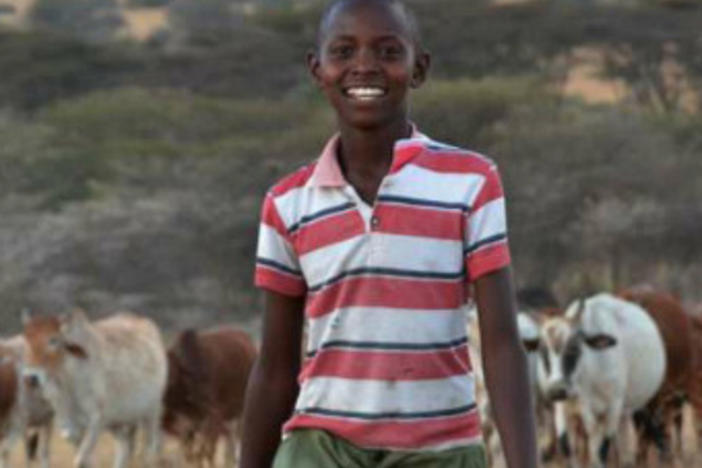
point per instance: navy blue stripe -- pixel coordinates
(385, 346)
(320, 214)
(389, 415)
(278, 266)
(487, 240)
(421, 202)
(443, 147)
(387, 272)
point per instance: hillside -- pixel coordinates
(132, 171)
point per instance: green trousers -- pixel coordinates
(311, 448)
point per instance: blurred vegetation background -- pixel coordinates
(137, 138)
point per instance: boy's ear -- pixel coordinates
(313, 65)
(421, 68)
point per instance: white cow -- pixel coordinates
(24, 413)
(110, 374)
(529, 334)
(609, 354)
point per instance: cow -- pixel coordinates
(665, 409)
(608, 353)
(207, 375)
(529, 333)
(106, 375)
(24, 413)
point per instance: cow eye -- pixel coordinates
(601, 341)
(531, 345)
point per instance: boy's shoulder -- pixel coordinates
(293, 180)
(446, 157)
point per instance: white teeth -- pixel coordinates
(365, 93)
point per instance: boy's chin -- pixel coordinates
(371, 122)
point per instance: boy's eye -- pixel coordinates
(341, 51)
(390, 51)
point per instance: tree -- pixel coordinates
(95, 20)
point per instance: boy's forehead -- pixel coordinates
(386, 16)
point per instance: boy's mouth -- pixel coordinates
(365, 93)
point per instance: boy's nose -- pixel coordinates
(365, 62)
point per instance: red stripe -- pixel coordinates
(283, 283)
(388, 365)
(420, 221)
(295, 180)
(400, 435)
(328, 231)
(404, 154)
(270, 217)
(461, 162)
(487, 260)
(385, 292)
(491, 190)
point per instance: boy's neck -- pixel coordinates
(365, 156)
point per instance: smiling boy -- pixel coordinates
(375, 246)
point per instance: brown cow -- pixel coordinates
(23, 410)
(207, 375)
(674, 326)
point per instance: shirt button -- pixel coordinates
(374, 222)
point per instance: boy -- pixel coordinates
(374, 245)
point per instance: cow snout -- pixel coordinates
(34, 378)
(557, 393)
(32, 381)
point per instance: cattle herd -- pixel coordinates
(611, 375)
(85, 377)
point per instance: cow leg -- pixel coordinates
(625, 442)
(152, 438)
(596, 445)
(87, 445)
(125, 444)
(232, 443)
(43, 444)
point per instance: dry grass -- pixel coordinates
(62, 453)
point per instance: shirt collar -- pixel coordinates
(327, 172)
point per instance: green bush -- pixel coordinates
(464, 111)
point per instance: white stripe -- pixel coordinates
(487, 221)
(377, 396)
(418, 182)
(273, 246)
(383, 250)
(385, 324)
(305, 201)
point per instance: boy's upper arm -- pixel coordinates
(494, 296)
(277, 265)
(281, 340)
(485, 246)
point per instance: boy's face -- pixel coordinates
(366, 62)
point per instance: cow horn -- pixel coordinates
(580, 310)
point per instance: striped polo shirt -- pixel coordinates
(386, 357)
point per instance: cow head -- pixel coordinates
(51, 340)
(584, 333)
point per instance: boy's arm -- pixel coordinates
(505, 368)
(272, 387)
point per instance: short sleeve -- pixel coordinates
(485, 246)
(277, 265)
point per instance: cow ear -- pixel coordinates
(78, 315)
(600, 341)
(75, 350)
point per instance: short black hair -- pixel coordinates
(409, 17)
